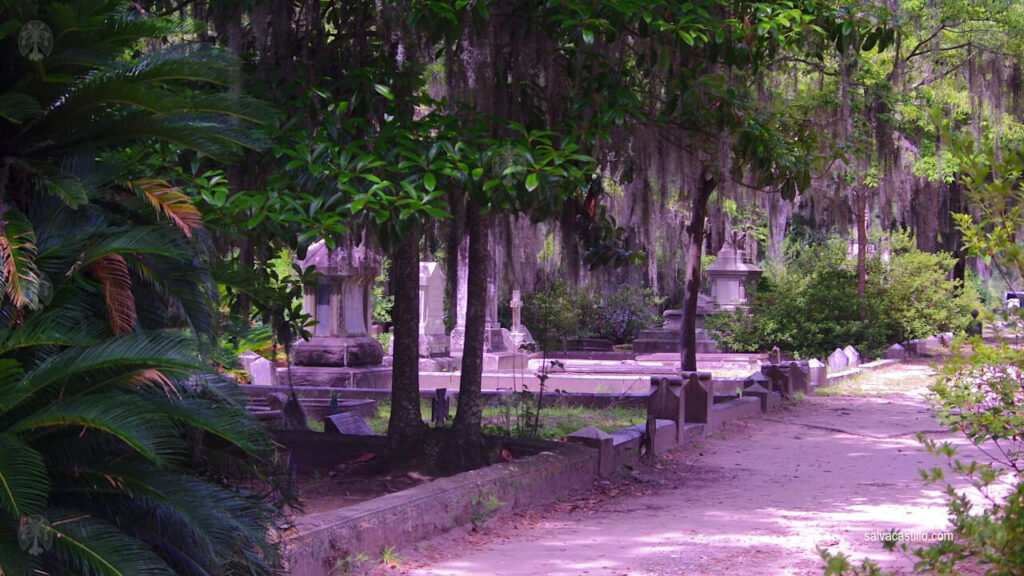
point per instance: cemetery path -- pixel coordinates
(831, 472)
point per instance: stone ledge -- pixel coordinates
(319, 540)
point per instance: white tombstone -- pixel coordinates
(852, 356)
(816, 372)
(519, 334)
(245, 359)
(730, 276)
(263, 372)
(895, 352)
(838, 361)
(433, 340)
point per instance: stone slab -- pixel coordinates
(347, 423)
(378, 377)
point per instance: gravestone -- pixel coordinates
(778, 376)
(263, 372)
(698, 398)
(838, 361)
(440, 405)
(341, 352)
(665, 402)
(895, 352)
(797, 376)
(852, 356)
(347, 423)
(245, 359)
(433, 339)
(604, 443)
(520, 335)
(758, 386)
(817, 374)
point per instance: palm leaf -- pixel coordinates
(17, 253)
(112, 273)
(92, 547)
(128, 418)
(171, 202)
(23, 479)
(17, 107)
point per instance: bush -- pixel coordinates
(556, 315)
(621, 316)
(809, 306)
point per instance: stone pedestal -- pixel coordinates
(341, 346)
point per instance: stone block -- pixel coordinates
(338, 351)
(797, 376)
(246, 358)
(263, 372)
(852, 356)
(760, 392)
(349, 423)
(665, 400)
(778, 376)
(817, 374)
(601, 441)
(838, 361)
(895, 352)
(698, 397)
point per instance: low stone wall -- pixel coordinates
(318, 541)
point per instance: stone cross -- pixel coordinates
(516, 304)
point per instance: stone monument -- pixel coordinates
(433, 341)
(341, 352)
(520, 334)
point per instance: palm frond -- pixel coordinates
(171, 202)
(237, 427)
(23, 478)
(112, 273)
(128, 418)
(17, 253)
(92, 547)
(17, 107)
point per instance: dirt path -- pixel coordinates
(755, 500)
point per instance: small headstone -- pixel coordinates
(895, 352)
(263, 372)
(797, 377)
(852, 356)
(816, 372)
(347, 423)
(930, 346)
(665, 401)
(439, 407)
(246, 358)
(698, 397)
(838, 361)
(778, 376)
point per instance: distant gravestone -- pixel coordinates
(838, 361)
(246, 358)
(930, 346)
(433, 339)
(797, 377)
(852, 356)
(895, 352)
(263, 372)
(347, 423)
(698, 398)
(816, 372)
(665, 401)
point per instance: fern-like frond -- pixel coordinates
(23, 478)
(171, 202)
(18, 253)
(92, 547)
(18, 107)
(128, 418)
(112, 273)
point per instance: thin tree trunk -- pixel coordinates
(405, 427)
(470, 411)
(691, 287)
(862, 253)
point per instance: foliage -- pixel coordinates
(621, 315)
(556, 314)
(809, 306)
(380, 305)
(118, 454)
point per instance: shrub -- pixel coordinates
(810, 307)
(621, 315)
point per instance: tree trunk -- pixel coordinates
(406, 427)
(466, 427)
(862, 252)
(691, 287)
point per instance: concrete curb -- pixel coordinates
(318, 541)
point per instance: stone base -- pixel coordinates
(502, 361)
(376, 377)
(457, 341)
(443, 364)
(658, 341)
(338, 351)
(434, 345)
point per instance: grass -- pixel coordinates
(557, 420)
(902, 379)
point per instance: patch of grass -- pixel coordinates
(901, 379)
(557, 420)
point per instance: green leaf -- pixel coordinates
(429, 181)
(531, 181)
(384, 91)
(18, 107)
(588, 36)
(23, 480)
